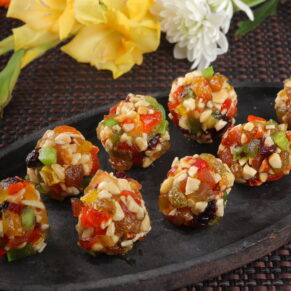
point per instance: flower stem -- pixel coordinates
(6, 45)
(8, 78)
(9, 75)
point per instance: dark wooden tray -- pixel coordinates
(257, 221)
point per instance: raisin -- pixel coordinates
(74, 176)
(3, 207)
(205, 217)
(11, 180)
(216, 134)
(154, 141)
(32, 160)
(120, 175)
(266, 151)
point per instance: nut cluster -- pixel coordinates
(67, 159)
(257, 151)
(195, 190)
(135, 132)
(113, 215)
(283, 104)
(203, 107)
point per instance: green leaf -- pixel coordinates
(9, 75)
(267, 9)
(252, 3)
(6, 45)
(8, 78)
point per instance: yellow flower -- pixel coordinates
(26, 37)
(115, 34)
(54, 16)
(34, 42)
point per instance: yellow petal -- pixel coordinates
(119, 5)
(67, 20)
(117, 41)
(146, 35)
(40, 14)
(56, 16)
(37, 52)
(26, 37)
(103, 48)
(89, 11)
(138, 9)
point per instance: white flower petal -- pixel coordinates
(197, 27)
(180, 52)
(244, 7)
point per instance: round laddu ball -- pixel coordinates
(23, 219)
(283, 104)
(257, 151)
(135, 133)
(203, 105)
(62, 162)
(111, 215)
(195, 191)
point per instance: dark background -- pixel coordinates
(56, 87)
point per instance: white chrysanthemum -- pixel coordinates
(227, 7)
(197, 27)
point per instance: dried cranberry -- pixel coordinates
(74, 176)
(266, 151)
(72, 140)
(16, 208)
(137, 158)
(154, 141)
(32, 160)
(11, 180)
(120, 175)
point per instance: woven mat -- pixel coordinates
(56, 87)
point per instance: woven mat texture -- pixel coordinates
(56, 87)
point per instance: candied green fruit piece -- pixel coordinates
(177, 198)
(156, 105)
(16, 254)
(48, 156)
(281, 140)
(163, 127)
(110, 122)
(28, 218)
(195, 125)
(208, 72)
(249, 150)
